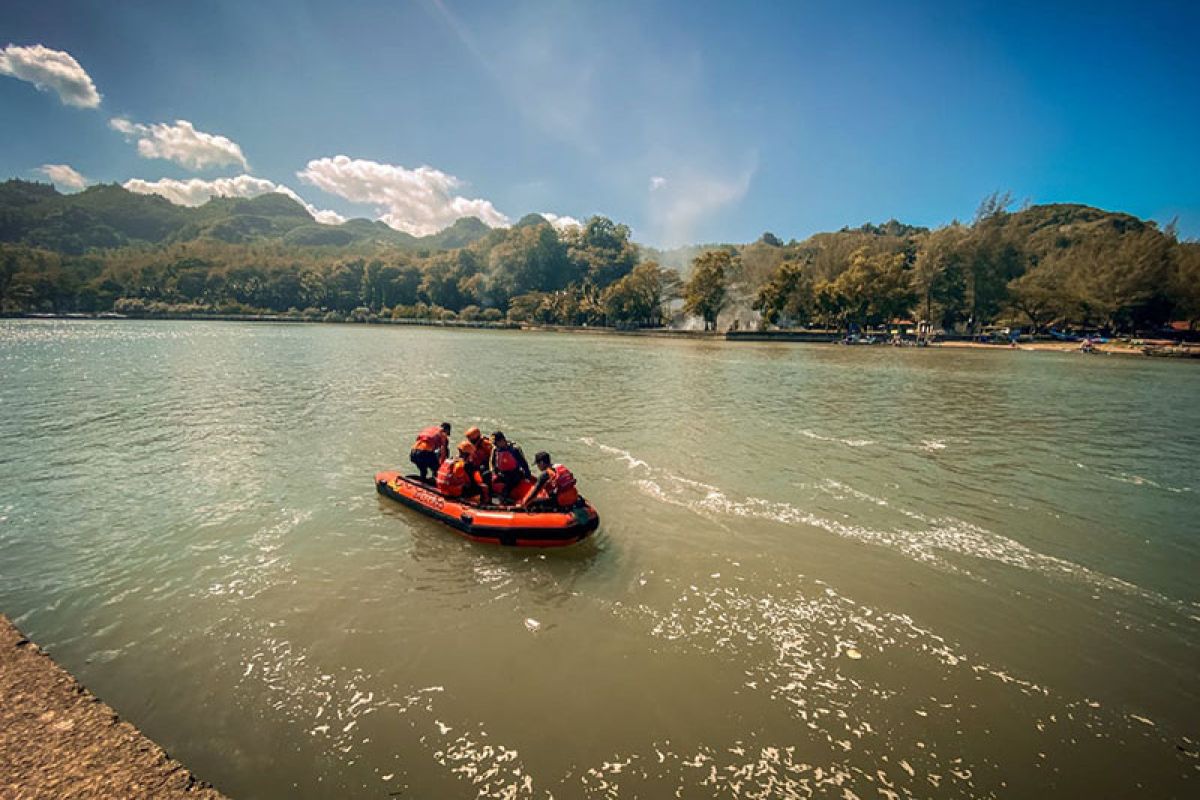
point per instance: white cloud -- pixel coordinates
(419, 201)
(51, 69)
(325, 216)
(561, 223)
(195, 192)
(657, 182)
(677, 208)
(63, 175)
(181, 143)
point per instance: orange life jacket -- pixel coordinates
(432, 438)
(452, 477)
(483, 452)
(506, 460)
(561, 486)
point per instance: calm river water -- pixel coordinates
(820, 571)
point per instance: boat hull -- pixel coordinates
(510, 526)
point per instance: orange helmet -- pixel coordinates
(472, 432)
(466, 448)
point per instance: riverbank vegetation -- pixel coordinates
(1064, 264)
(106, 249)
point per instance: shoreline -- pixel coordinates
(1145, 347)
(57, 739)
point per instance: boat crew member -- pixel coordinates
(555, 487)
(455, 478)
(431, 449)
(508, 466)
(481, 459)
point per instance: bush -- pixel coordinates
(188, 308)
(130, 305)
(418, 311)
(333, 316)
(492, 315)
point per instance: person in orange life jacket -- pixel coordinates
(555, 487)
(431, 449)
(481, 459)
(508, 465)
(455, 478)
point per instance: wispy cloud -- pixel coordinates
(51, 70)
(419, 201)
(464, 35)
(195, 192)
(181, 143)
(632, 101)
(62, 175)
(677, 208)
(542, 74)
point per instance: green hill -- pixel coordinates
(108, 215)
(101, 216)
(377, 232)
(463, 232)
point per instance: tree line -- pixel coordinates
(1042, 265)
(1068, 265)
(592, 274)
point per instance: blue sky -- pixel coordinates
(691, 122)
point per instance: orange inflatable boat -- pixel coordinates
(508, 525)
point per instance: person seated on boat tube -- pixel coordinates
(482, 457)
(455, 478)
(508, 465)
(431, 449)
(555, 487)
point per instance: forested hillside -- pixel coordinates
(108, 249)
(1062, 263)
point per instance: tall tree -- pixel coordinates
(707, 289)
(937, 276)
(446, 280)
(789, 295)
(1185, 283)
(602, 250)
(1131, 281)
(9, 267)
(875, 289)
(992, 258)
(641, 296)
(530, 258)
(343, 286)
(1038, 294)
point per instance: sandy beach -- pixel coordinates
(1108, 348)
